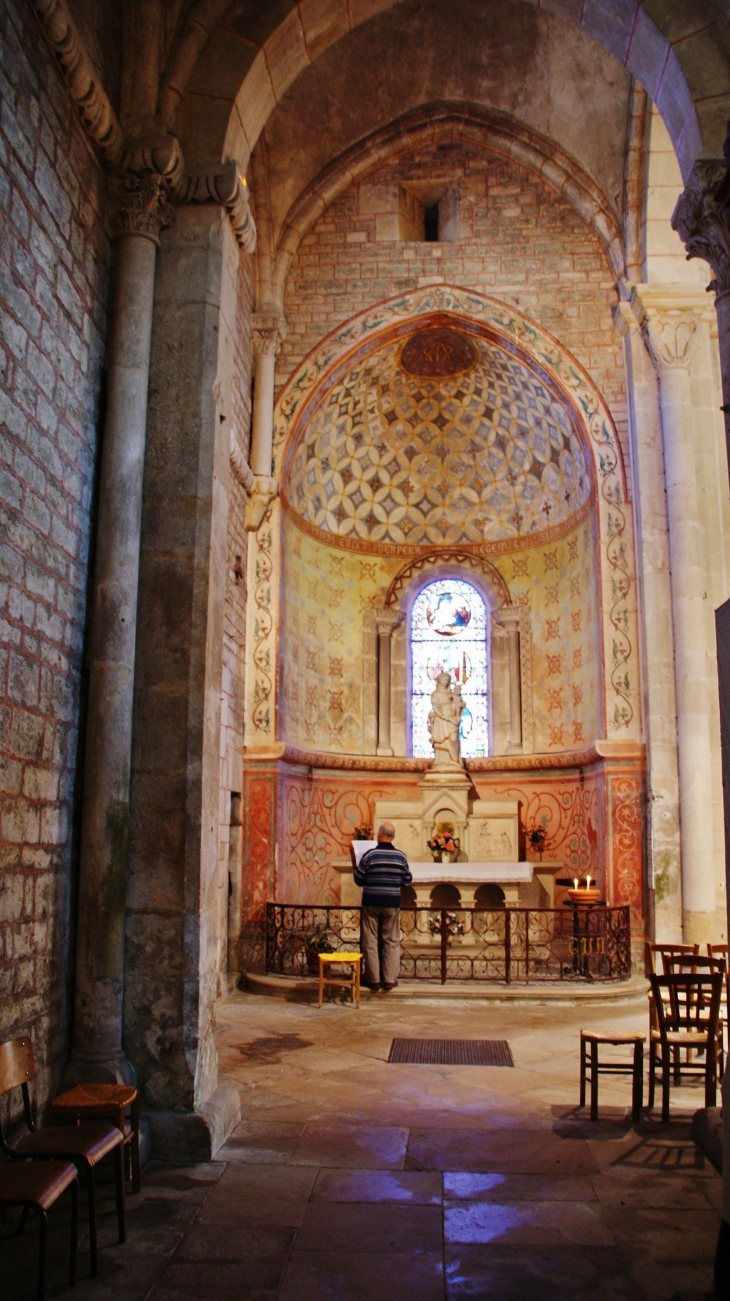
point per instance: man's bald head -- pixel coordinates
(386, 831)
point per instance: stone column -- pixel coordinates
(174, 924)
(139, 191)
(659, 702)
(268, 332)
(510, 620)
(671, 328)
(386, 621)
(702, 221)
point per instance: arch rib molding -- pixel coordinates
(226, 73)
(490, 131)
(516, 334)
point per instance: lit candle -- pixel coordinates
(575, 882)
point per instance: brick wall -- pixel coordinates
(519, 242)
(54, 261)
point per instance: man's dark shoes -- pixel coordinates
(393, 986)
(374, 988)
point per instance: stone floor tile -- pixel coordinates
(653, 1190)
(548, 1223)
(417, 1188)
(261, 1142)
(364, 1227)
(357, 1146)
(231, 1280)
(537, 1152)
(350, 1276)
(495, 1187)
(259, 1195)
(498, 1273)
(664, 1235)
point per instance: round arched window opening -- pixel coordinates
(449, 634)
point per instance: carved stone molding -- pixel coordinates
(261, 494)
(671, 338)
(669, 317)
(241, 467)
(703, 223)
(269, 330)
(227, 186)
(86, 89)
(387, 620)
(140, 188)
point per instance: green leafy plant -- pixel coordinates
(362, 833)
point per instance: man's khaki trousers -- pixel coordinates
(380, 939)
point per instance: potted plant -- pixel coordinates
(444, 847)
(362, 833)
(314, 944)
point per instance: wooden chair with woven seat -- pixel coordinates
(721, 951)
(698, 963)
(112, 1101)
(84, 1145)
(36, 1186)
(687, 1005)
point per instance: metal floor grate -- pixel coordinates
(451, 1052)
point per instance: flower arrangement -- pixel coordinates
(362, 833)
(443, 843)
(454, 925)
(537, 836)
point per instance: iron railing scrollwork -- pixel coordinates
(499, 945)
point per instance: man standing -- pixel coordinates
(381, 872)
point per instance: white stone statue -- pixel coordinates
(447, 707)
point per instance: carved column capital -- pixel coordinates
(226, 185)
(671, 338)
(386, 621)
(140, 188)
(670, 317)
(268, 330)
(702, 221)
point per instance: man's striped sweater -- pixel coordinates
(381, 872)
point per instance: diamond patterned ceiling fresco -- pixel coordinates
(392, 456)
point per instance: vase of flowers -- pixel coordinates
(362, 833)
(536, 837)
(444, 847)
(453, 925)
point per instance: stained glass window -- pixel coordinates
(449, 634)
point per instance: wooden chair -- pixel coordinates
(721, 951)
(591, 1067)
(112, 1101)
(687, 1006)
(36, 1186)
(353, 960)
(697, 963)
(84, 1145)
(663, 953)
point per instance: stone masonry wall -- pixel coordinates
(519, 242)
(234, 628)
(54, 263)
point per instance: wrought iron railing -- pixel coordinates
(501, 945)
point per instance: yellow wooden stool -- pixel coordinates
(353, 981)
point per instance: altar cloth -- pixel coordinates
(478, 873)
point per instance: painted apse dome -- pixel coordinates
(444, 438)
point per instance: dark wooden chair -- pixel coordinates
(695, 964)
(688, 1006)
(36, 1186)
(84, 1145)
(591, 1067)
(106, 1101)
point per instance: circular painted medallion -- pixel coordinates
(448, 614)
(438, 352)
